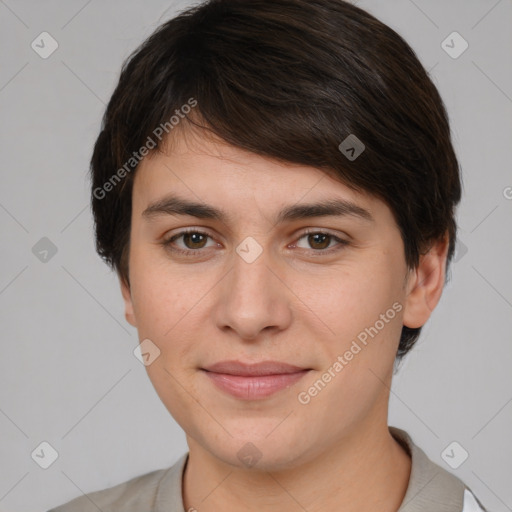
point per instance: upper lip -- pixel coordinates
(256, 369)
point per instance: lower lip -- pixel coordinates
(256, 387)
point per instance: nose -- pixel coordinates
(253, 298)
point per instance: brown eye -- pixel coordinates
(194, 240)
(319, 240)
(322, 242)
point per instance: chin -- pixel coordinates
(260, 451)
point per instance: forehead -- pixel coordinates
(209, 172)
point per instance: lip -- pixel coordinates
(253, 369)
(253, 381)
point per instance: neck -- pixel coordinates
(366, 470)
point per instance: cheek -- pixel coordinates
(353, 299)
(363, 308)
(169, 304)
(161, 298)
(164, 308)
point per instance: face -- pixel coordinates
(257, 277)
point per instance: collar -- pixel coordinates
(430, 489)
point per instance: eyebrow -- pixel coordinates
(335, 207)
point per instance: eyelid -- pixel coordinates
(342, 240)
(167, 239)
(324, 231)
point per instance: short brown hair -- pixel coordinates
(288, 79)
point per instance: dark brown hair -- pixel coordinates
(288, 79)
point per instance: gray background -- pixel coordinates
(68, 374)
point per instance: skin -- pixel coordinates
(293, 304)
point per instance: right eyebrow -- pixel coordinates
(173, 205)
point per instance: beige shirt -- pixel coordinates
(431, 489)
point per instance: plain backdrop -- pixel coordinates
(68, 373)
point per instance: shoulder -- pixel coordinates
(139, 493)
(431, 487)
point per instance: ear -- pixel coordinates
(128, 305)
(425, 284)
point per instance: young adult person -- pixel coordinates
(275, 185)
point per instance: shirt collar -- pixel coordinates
(430, 489)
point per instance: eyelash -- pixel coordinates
(167, 243)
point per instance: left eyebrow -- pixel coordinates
(329, 208)
(174, 205)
